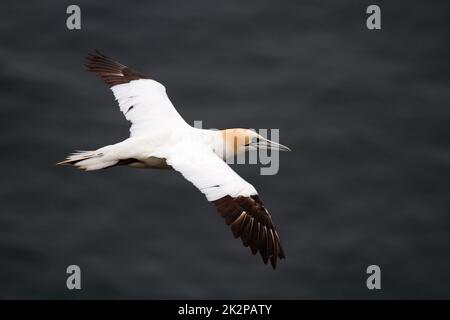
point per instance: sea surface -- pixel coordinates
(366, 114)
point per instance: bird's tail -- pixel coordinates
(89, 160)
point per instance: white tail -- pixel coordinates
(89, 160)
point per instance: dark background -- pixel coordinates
(366, 112)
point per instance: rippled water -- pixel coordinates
(366, 113)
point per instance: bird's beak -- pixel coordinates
(270, 145)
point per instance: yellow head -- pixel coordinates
(241, 140)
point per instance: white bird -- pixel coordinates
(161, 139)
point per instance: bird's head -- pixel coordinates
(242, 140)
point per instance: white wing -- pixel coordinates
(210, 174)
(235, 199)
(143, 101)
(146, 105)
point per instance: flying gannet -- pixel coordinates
(161, 139)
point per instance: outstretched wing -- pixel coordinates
(235, 199)
(143, 101)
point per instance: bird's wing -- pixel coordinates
(143, 101)
(234, 198)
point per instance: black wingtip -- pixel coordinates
(111, 71)
(273, 262)
(95, 55)
(249, 220)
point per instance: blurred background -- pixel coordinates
(366, 113)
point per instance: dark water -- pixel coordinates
(366, 113)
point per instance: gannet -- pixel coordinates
(161, 139)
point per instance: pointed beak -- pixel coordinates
(270, 145)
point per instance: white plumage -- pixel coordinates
(161, 139)
(145, 103)
(210, 174)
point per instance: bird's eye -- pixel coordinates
(252, 141)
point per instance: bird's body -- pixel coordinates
(161, 139)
